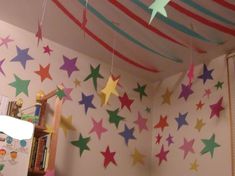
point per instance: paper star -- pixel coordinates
(66, 124)
(167, 97)
(98, 128)
(39, 33)
(207, 93)
(102, 98)
(141, 122)
(69, 65)
(20, 85)
(162, 123)
(47, 50)
(206, 74)
(162, 155)
(199, 105)
(158, 7)
(87, 102)
(117, 78)
(216, 108)
(49, 129)
(125, 101)
(5, 41)
(210, 145)
(158, 139)
(110, 88)
(108, 157)
(187, 147)
(67, 92)
(127, 134)
(114, 117)
(1, 62)
(50, 173)
(194, 166)
(141, 90)
(22, 56)
(147, 109)
(186, 91)
(76, 82)
(181, 120)
(81, 143)
(60, 93)
(199, 124)
(219, 85)
(95, 74)
(137, 157)
(43, 72)
(169, 140)
(190, 73)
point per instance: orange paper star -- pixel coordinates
(43, 72)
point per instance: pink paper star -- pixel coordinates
(158, 139)
(39, 33)
(216, 108)
(47, 50)
(190, 73)
(141, 122)
(187, 147)
(207, 93)
(162, 155)
(67, 92)
(125, 101)
(50, 173)
(5, 41)
(98, 128)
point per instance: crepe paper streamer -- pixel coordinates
(174, 24)
(101, 42)
(123, 33)
(225, 4)
(206, 11)
(202, 19)
(158, 7)
(150, 27)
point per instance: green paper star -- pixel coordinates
(141, 90)
(81, 143)
(210, 145)
(20, 85)
(158, 6)
(114, 117)
(219, 85)
(147, 109)
(95, 74)
(60, 93)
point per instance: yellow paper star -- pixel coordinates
(110, 88)
(167, 97)
(76, 82)
(66, 124)
(199, 124)
(194, 166)
(102, 98)
(137, 157)
(49, 129)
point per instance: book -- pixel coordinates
(4, 101)
(40, 151)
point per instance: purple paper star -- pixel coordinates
(69, 65)
(128, 134)
(1, 62)
(181, 120)
(206, 74)
(186, 91)
(87, 101)
(5, 41)
(216, 108)
(22, 56)
(169, 140)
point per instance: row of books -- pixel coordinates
(40, 153)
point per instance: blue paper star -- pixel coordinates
(128, 134)
(22, 56)
(206, 74)
(87, 101)
(186, 91)
(181, 120)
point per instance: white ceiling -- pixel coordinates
(59, 28)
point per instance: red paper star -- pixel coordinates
(5, 41)
(125, 101)
(47, 50)
(216, 108)
(207, 93)
(190, 73)
(108, 157)
(116, 78)
(44, 72)
(162, 155)
(39, 33)
(162, 123)
(158, 139)
(199, 105)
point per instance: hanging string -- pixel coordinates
(44, 4)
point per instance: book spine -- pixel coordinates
(39, 155)
(31, 153)
(34, 153)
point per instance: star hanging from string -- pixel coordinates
(102, 98)
(47, 50)
(137, 157)
(206, 74)
(1, 70)
(141, 90)
(210, 145)
(20, 85)
(87, 102)
(81, 143)
(114, 117)
(98, 128)
(162, 155)
(22, 56)
(181, 120)
(108, 157)
(199, 105)
(66, 124)
(158, 139)
(207, 93)
(125, 101)
(199, 124)
(158, 7)
(141, 122)
(118, 77)
(95, 74)
(69, 65)
(194, 166)
(187, 147)
(162, 123)
(5, 41)
(216, 108)
(39, 33)
(110, 88)
(190, 73)
(43, 72)
(167, 97)
(76, 82)
(219, 85)
(60, 93)
(127, 134)
(169, 140)
(186, 91)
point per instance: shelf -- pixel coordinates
(40, 131)
(32, 172)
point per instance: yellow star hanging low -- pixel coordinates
(102, 98)
(167, 97)
(194, 166)
(110, 88)
(66, 124)
(49, 129)
(137, 157)
(76, 82)
(199, 124)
